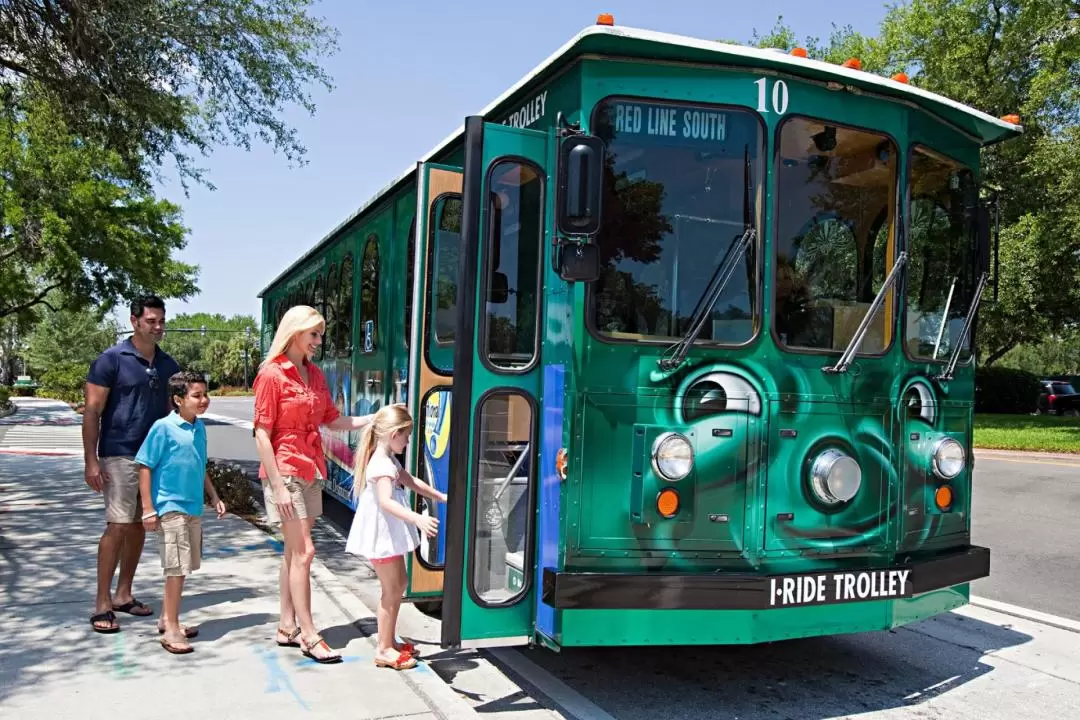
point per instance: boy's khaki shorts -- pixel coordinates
(306, 499)
(181, 544)
(121, 490)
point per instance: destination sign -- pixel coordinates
(682, 124)
(839, 587)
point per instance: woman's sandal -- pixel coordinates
(408, 648)
(176, 648)
(189, 632)
(307, 646)
(404, 661)
(106, 617)
(290, 637)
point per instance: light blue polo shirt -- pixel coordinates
(175, 452)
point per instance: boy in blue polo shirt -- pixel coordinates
(172, 480)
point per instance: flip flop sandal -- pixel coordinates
(404, 661)
(189, 632)
(306, 647)
(291, 635)
(130, 607)
(176, 649)
(108, 617)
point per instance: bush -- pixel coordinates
(1005, 390)
(5, 395)
(233, 487)
(25, 391)
(64, 382)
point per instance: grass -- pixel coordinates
(1036, 433)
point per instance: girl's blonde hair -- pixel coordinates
(298, 319)
(388, 420)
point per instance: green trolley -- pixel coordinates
(687, 332)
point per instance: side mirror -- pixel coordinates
(500, 288)
(581, 185)
(579, 262)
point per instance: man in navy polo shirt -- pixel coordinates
(126, 392)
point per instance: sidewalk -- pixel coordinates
(53, 665)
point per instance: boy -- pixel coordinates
(172, 480)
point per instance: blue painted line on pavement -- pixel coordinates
(277, 679)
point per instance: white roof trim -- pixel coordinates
(670, 39)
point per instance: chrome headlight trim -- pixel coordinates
(938, 462)
(664, 451)
(835, 477)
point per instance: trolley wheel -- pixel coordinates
(431, 608)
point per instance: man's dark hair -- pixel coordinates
(181, 382)
(139, 304)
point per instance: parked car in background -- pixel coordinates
(1058, 398)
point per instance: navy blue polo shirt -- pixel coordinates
(138, 396)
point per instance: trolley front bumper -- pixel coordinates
(744, 591)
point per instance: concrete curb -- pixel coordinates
(990, 453)
(1042, 618)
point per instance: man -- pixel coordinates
(126, 392)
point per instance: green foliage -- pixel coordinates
(1005, 390)
(72, 222)
(149, 79)
(5, 396)
(67, 337)
(1056, 355)
(64, 381)
(221, 352)
(1000, 56)
(233, 487)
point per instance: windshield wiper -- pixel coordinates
(947, 373)
(856, 339)
(719, 280)
(944, 318)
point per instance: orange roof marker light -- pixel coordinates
(605, 19)
(901, 78)
(1014, 119)
(853, 63)
(798, 52)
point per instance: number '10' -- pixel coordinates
(779, 96)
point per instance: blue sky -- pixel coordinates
(406, 75)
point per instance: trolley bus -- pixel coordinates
(687, 330)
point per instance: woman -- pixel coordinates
(291, 402)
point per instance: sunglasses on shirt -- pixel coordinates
(153, 375)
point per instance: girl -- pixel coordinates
(384, 529)
(292, 401)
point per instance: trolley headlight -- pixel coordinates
(835, 477)
(672, 455)
(949, 459)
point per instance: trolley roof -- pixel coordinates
(651, 45)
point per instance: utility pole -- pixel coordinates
(247, 342)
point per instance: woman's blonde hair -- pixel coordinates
(298, 319)
(388, 420)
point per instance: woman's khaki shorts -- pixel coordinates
(306, 499)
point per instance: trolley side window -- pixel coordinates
(445, 245)
(345, 307)
(369, 296)
(835, 210)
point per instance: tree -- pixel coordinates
(72, 221)
(220, 353)
(73, 337)
(152, 79)
(1000, 56)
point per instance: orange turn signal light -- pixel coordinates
(853, 63)
(943, 497)
(798, 52)
(562, 463)
(667, 502)
(901, 78)
(1014, 119)
(605, 19)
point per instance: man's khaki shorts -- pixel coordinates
(306, 499)
(181, 544)
(121, 490)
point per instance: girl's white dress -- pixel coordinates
(375, 534)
